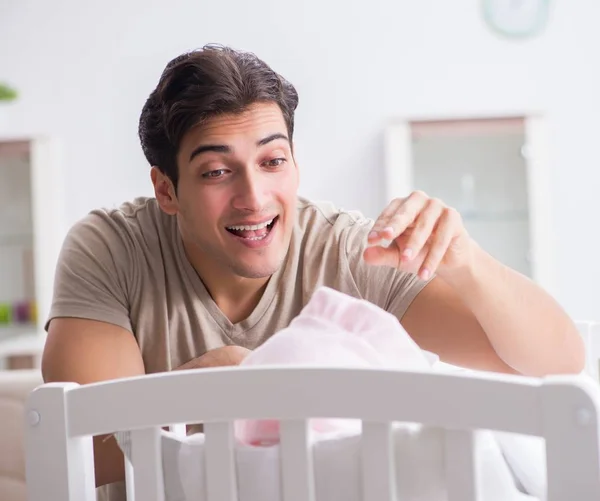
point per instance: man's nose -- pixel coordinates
(251, 192)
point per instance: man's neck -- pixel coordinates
(235, 296)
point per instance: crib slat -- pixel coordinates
(462, 477)
(179, 429)
(221, 484)
(143, 472)
(378, 479)
(296, 461)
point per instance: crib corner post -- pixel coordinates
(571, 426)
(57, 465)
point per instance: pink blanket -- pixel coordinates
(333, 330)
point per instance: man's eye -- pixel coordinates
(276, 162)
(214, 173)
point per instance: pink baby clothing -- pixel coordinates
(333, 330)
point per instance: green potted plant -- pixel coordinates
(7, 93)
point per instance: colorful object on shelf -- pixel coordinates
(33, 313)
(5, 313)
(18, 312)
(21, 311)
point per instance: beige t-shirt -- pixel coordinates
(127, 266)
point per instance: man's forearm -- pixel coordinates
(219, 357)
(525, 325)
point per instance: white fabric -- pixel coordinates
(420, 468)
(526, 457)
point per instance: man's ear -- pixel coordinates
(164, 191)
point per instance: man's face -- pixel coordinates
(236, 196)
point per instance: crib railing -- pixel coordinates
(63, 417)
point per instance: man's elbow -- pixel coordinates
(570, 355)
(566, 355)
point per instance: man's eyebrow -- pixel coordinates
(222, 148)
(272, 137)
(217, 148)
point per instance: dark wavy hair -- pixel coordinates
(201, 84)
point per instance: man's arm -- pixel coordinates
(476, 312)
(88, 351)
(440, 322)
(489, 317)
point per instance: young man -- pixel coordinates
(226, 254)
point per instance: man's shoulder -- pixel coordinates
(122, 230)
(140, 215)
(129, 212)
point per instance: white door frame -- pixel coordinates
(399, 181)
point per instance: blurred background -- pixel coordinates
(491, 105)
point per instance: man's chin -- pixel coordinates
(256, 270)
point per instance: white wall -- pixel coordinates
(85, 68)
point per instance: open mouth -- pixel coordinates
(253, 232)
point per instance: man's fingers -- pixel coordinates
(443, 235)
(398, 216)
(391, 255)
(423, 228)
(382, 221)
(407, 214)
(421, 232)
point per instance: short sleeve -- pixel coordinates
(93, 273)
(387, 287)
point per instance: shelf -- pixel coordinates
(8, 331)
(21, 346)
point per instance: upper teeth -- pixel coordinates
(251, 227)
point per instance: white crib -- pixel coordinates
(62, 418)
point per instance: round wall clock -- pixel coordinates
(516, 18)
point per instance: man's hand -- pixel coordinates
(425, 236)
(219, 357)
